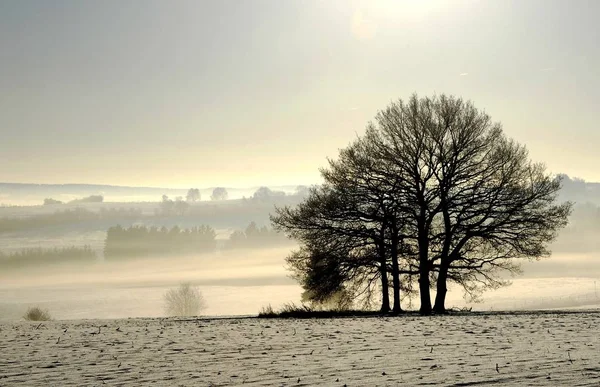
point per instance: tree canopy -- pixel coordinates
(432, 193)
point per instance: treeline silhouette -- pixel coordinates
(218, 213)
(142, 241)
(87, 199)
(145, 242)
(38, 256)
(66, 217)
(255, 237)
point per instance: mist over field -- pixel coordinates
(236, 276)
(58, 256)
(136, 288)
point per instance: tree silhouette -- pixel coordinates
(219, 193)
(480, 202)
(255, 237)
(184, 301)
(433, 188)
(265, 193)
(193, 195)
(89, 199)
(336, 231)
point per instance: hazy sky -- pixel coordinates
(238, 93)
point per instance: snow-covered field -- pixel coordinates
(559, 349)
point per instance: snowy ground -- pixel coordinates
(526, 349)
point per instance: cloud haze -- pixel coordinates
(238, 93)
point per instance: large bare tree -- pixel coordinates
(434, 188)
(478, 202)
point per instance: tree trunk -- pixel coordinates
(424, 288)
(395, 273)
(424, 284)
(441, 289)
(424, 266)
(440, 297)
(385, 288)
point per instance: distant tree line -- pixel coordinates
(88, 199)
(255, 237)
(145, 242)
(38, 256)
(193, 195)
(65, 217)
(169, 207)
(433, 193)
(265, 194)
(142, 241)
(219, 193)
(50, 201)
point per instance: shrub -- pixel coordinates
(186, 300)
(292, 310)
(35, 313)
(267, 311)
(340, 301)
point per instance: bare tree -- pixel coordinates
(433, 188)
(193, 195)
(478, 201)
(336, 250)
(186, 300)
(219, 193)
(401, 143)
(265, 193)
(374, 204)
(496, 205)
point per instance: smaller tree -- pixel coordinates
(193, 195)
(50, 201)
(186, 300)
(219, 193)
(265, 193)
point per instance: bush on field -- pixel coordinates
(186, 300)
(35, 313)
